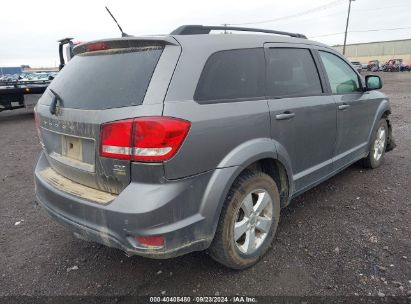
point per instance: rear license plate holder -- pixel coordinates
(71, 147)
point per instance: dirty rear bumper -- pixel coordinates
(172, 209)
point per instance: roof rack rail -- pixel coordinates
(201, 29)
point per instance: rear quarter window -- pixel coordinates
(232, 75)
(107, 79)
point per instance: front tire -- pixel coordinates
(377, 146)
(248, 221)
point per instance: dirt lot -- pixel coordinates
(349, 236)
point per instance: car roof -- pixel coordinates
(227, 41)
(199, 37)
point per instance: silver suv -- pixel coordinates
(163, 145)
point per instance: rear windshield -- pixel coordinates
(106, 79)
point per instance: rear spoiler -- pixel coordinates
(125, 42)
(63, 42)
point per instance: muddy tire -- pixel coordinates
(378, 145)
(248, 221)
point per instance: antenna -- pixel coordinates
(121, 30)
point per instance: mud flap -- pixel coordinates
(391, 142)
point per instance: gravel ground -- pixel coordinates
(348, 236)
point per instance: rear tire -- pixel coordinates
(248, 221)
(377, 146)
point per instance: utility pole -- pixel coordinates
(346, 26)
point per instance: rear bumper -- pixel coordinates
(178, 210)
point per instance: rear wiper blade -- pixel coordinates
(53, 105)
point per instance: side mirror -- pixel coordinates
(373, 82)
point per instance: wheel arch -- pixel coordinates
(383, 111)
(390, 139)
(265, 159)
(278, 172)
(268, 156)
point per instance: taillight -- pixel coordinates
(96, 46)
(151, 241)
(116, 139)
(158, 138)
(37, 124)
(146, 139)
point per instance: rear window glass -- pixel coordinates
(232, 75)
(107, 79)
(292, 72)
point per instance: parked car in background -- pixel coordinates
(373, 66)
(393, 65)
(52, 75)
(25, 76)
(163, 145)
(22, 90)
(357, 65)
(407, 65)
(9, 77)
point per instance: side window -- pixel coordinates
(341, 76)
(231, 75)
(292, 72)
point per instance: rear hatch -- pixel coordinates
(106, 81)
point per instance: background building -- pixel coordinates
(25, 69)
(382, 51)
(10, 70)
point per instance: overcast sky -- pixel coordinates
(29, 29)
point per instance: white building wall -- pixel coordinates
(382, 51)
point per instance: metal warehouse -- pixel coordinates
(10, 70)
(382, 51)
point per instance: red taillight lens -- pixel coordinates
(151, 241)
(158, 138)
(96, 46)
(36, 119)
(37, 124)
(146, 139)
(116, 139)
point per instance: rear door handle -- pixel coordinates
(343, 106)
(284, 116)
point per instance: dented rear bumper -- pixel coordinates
(171, 209)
